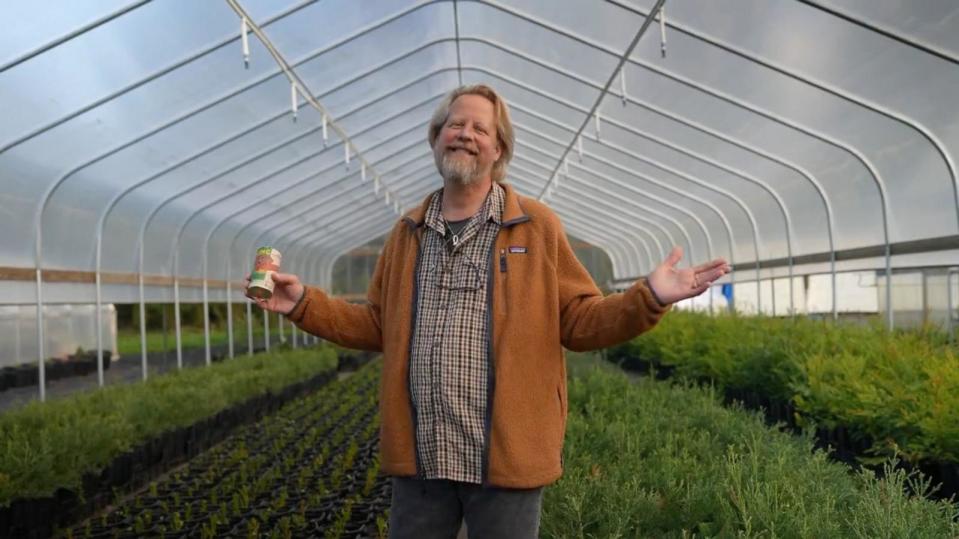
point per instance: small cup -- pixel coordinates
(261, 280)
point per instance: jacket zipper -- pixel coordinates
(409, 360)
(490, 373)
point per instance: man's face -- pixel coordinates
(467, 145)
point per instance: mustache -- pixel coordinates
(471, 151)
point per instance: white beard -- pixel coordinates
(456, 170)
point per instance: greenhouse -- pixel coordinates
(162, 161)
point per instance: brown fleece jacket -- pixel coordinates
(542, 300)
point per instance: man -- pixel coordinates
(475, 295)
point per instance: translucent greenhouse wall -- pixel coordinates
(144, 140)
(68, 328)
(749, 132)
(923, 296)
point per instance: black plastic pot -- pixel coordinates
(359, 528)
(83, 368)
(948, 475)
(351, 361)
(28, 518)
(642, 366)
(97, 532)
(943, 477)
(26, 376)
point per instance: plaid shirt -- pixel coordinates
(449, 364)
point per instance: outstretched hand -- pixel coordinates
(671, 284)
(286, 293)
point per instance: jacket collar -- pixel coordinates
(513, 212)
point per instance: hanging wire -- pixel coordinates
(362, 172)
(662, 31)
(244, 38)
(579, 147)
(294, 100)
(296, 82)
(612, 78)
(326, 135)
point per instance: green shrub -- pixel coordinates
(900, 389)
(128, 341)
(651, 459)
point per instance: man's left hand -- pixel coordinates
(671, 284)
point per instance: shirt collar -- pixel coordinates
(492, 207)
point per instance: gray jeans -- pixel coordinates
(427, 509)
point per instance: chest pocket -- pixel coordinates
(459, 273)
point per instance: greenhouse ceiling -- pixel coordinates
(150, 141)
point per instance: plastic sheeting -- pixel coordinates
(68, 328)
(769, 130)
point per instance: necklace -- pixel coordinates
(453, 235)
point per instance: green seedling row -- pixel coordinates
(45, 446)
(642, 458)
(309, 469)
(128, 341)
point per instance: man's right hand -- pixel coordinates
(286, 293)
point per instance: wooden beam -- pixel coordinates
(17, 274)
(89, 277)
